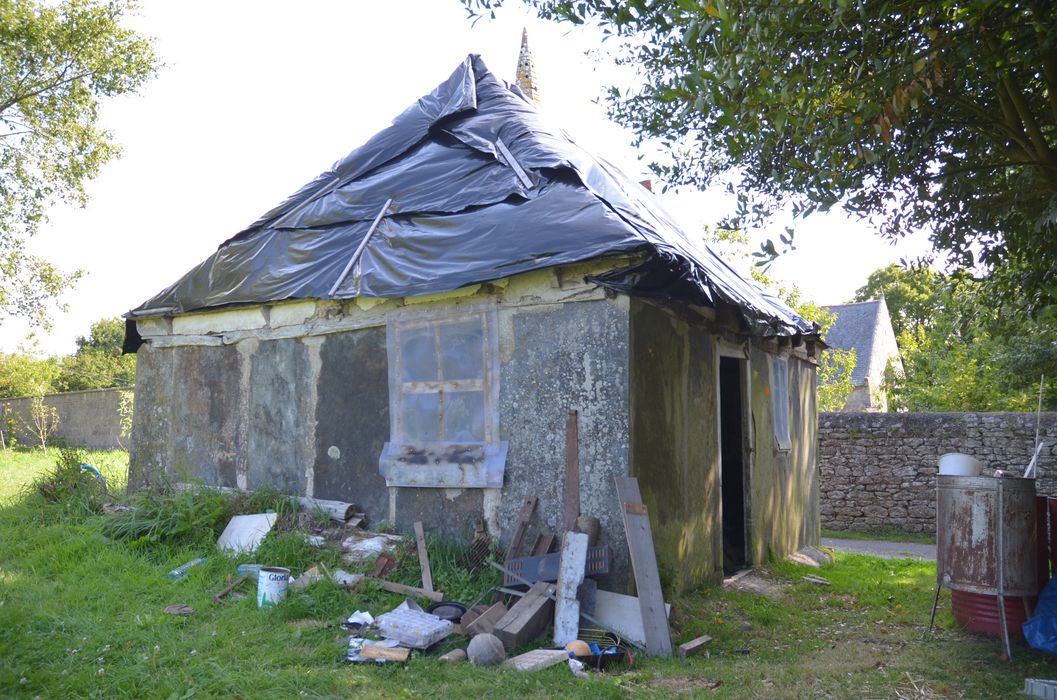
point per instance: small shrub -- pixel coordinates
(81, 491)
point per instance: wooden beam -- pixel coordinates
(383, 565)
(572, 471)
(423, 558)
(644, 565)
(528, 507)
(543, 545)
(528, 618)
(694, 646)
(400, 588)
(485, 622)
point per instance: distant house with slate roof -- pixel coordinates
(866, 328)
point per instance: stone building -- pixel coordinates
(866, 328)
(410, 330)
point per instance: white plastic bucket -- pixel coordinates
(956, 464)
(272, 582)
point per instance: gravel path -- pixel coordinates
(880, 548)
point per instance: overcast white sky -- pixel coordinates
(257, 98)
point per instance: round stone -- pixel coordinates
(485, 650)
(333, 452)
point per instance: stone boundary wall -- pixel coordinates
(87, 419)
(878, 470)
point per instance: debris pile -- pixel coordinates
(548, 593)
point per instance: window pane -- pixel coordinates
(462, 349)
(780, 394)
(419, 414)
(418, 354)
(464, 416)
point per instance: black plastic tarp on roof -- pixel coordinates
(462, 213)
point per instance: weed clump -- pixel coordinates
(191, 516)
(80, 491)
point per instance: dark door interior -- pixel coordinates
(732, 458)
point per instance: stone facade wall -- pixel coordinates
(87, 419)
(879, 469)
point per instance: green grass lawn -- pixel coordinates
(81, 616)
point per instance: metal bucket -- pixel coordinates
(272, 582)
(976, 519)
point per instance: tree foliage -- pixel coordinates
(26, 373)
(57, 61)
(98, 362)
(963, 353)
(936, 114)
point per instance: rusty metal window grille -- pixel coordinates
(443, 396)
(780, 396)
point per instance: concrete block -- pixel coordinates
(537, 659)
(220, 321)
(151, 327)
(291, 314)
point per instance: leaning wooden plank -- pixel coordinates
(570, 576)
(528, 618)
(644, 565)
(486, 621)
(528, 507)
(400, 588)
(374, 651)
(423, 557)
(694, 646)
(544, 544)
(572, 471)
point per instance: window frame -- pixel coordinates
(439, 470)
(780, 403)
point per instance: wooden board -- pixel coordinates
(373, 651)
(572, 471)
(694, 646)
(644, 564)
(383, 565)
(485, 622)
(570, 576)
(400, 588)
(528, 618)
(423, 558)
(544, 544)
(528, 507)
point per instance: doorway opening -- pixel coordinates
(732, 431)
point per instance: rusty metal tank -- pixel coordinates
(976, 519)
